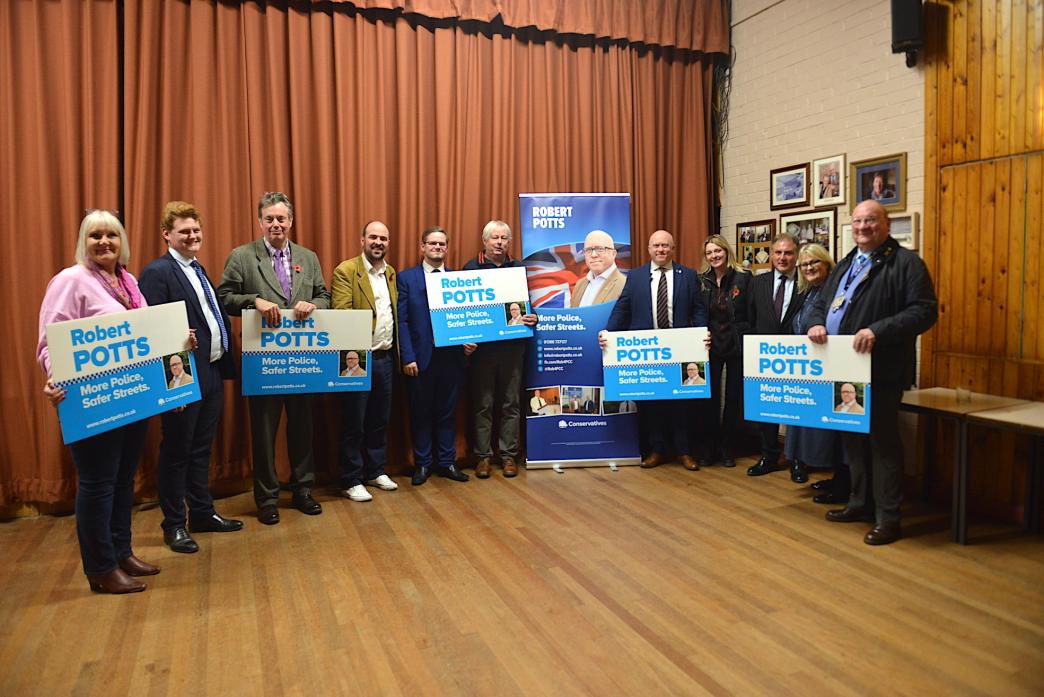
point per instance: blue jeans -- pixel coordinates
(105, 467)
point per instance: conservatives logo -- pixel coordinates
(564, 424)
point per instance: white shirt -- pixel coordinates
(788, 290)
(216, 350)
(655, 284)
(428, 268)
(595, 284)
(384, 329)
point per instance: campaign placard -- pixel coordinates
(475, 307)
(656, 364)
(121, 368)
(790, 380)
(328, 351)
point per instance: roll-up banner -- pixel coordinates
(790, 380)
(121, 368)
(328, 351)
(577, 251)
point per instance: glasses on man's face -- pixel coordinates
(596, 250)
(811, 263)
(435, 244)
(868, 220)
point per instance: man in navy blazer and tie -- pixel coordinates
(774, 301)
(662, 295)
(433, 374)
(183, 471)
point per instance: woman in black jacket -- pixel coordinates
(723, 284)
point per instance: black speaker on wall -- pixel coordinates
(907, 29)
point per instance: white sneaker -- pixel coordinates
(384, 482)
(358, 493)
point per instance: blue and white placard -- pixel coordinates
(790, 380)
(656, 364)
(116, 368)
(475, 307)
(328, 351)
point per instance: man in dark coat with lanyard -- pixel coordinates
(883, 296)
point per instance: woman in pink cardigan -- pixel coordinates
(105, 464)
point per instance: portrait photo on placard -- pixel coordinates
(849, 398)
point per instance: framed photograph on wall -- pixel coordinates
(754, 242)
(844, 241)
(819, 226)
(828, 181)
(882, 179)
(905, 230)
(788, 187)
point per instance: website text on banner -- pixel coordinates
(476, 307)
(121, 367)
(656, 364)
(577, 250)
(328, 351)
(789, 380)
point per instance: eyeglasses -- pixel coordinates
(810, 263)
(436, 244)
(868, 220)
(597, 250)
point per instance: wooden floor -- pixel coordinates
(592, 582)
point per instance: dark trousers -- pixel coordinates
(496, 377)
(265, 414)
(105, 467)
(364, 424)
(433, 409)
(769, 436)
(719, 426)
(183, 470)
(876, 459)
(667, 423)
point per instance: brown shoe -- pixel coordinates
(653, 460)
(115, 582)
(132, 566)
(510, 468)
(689, 463)
(883, 534)
(482, 468)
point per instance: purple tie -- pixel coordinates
(281, 274)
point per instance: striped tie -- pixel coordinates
(663, 317)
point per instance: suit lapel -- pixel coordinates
(192, 300)
(363, 279)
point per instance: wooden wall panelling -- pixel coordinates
(1033, 342)
(1034, 77)
(987, 73)
(1019, 103)
(959, 77)
(973, 75)
(1001, 80)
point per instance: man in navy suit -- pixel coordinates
(433, 374)
(182, 475)
(662, 295)
(774, 301)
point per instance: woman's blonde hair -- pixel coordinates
(730, 256)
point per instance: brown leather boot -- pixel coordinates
(132, 566)
(482, 468)
(116, 582)
(510, 468)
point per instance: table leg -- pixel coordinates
(928, 454)
(1032, 508)
(959, 512)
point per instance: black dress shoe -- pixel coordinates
(849, 515)
(215, 523)
(798, 472)
(268, 515)
(830, 497)
(823, 484)
(452, 472)
(306, 504)
(883, 534)
(420, 475)
(763, 467)
(179, 540)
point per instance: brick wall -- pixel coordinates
(815, 78)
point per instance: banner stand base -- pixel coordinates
(548, 464)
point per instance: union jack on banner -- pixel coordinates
(552, 273)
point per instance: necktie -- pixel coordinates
(210, 301)
(436, 270)
(284, 278)
(778, 303)
(663, 318)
